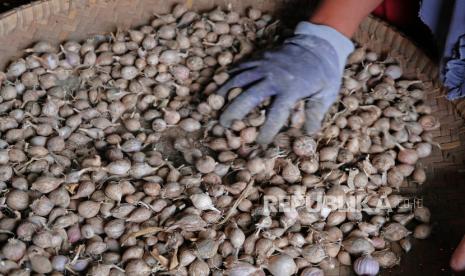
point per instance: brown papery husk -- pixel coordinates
(419, 175)
(395, 177)
(309, 166)
(429, 122)
(423, 149)
(344, 258)
(394, 231)
(422, 214)
(422, 231)
(281, 265)
(405, 169)
(199, 267)
(386, 258)
(88, 209)
(328, 154)
(313, 253)
(408, 156)
(14, 250)
(291, 173)
(46, 184)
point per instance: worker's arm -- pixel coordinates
(344, 15)
(307, 66)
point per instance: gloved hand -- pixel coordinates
(308, 66)
(454, 78)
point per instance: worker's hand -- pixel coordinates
(458, 258)
(308, 66)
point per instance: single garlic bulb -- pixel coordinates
(312, 271)
(366, 265)
(282, 265)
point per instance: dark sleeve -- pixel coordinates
(446, 19)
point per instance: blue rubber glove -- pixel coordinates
(308, 66)
(454, 78)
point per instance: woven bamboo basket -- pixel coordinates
(444, 192)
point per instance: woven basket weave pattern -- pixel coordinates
(59, 20)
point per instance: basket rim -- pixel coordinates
(5, 16)
(17, 9)
(458, 105)
(9, 16)
(373, 20)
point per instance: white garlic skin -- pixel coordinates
(281, 265)
(366, 265)
(312, 271)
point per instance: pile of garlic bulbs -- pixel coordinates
(112, 160)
